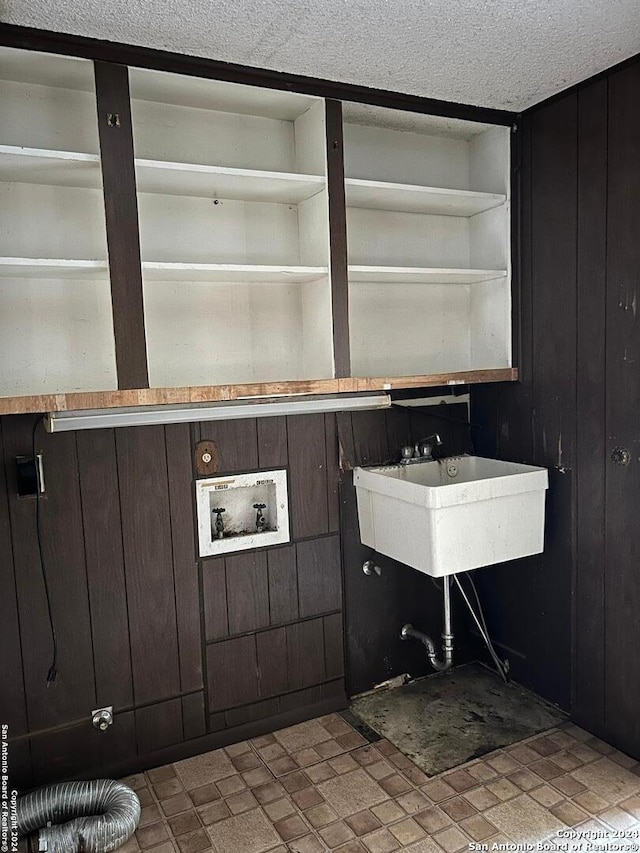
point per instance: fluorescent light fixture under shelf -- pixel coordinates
(189, 412)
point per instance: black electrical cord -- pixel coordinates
(53, 669)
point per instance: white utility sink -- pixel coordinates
(452, 515)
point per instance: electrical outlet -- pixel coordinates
(30, 476)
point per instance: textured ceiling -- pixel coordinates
(507, 54)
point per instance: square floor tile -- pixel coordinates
(503, 763)
(295, 781)
(231, 785)
(458, 809)
(291, 827)
(413, 801)
(617, 818)
(201, 769)
(247, 761)
(185, 822)
(363, 822)
(279, 809)
(152, 835)
(523, 819)
(269, 792)
(336, 834)
(160, 774)
(329, 749)
(213, 812)
(352, 792)
(523, 754)
(242, 802)
(321, 815)
(524, 779)
(343, 763)
(281, 766)
(260, 776)
(305, 757)
(632, 805)
(433, 820)
(395, 785)
(194, 842)
(250, 832)
(320, 772)
(482, 771)
(437, 790)
(306, 798)
(307, 844)
(388, 812)
(381, 841)
(460, 780)
(569, 813)
(204, 794)
(482, 798)
(592, 803)
(302, 736)
(178, 803)
(451, 840)
(568, 786)
(168, 788)
(546, 769)
(478, 827)
(407, 831)
(503, 789)
(380, 770)
(608, 779)
(237, 749)
(546, 796)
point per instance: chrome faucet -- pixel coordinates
(422, 451)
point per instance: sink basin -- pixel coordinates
(454, 514)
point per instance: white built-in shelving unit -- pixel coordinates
(233, 216)
(234, 231)
(56, 330)
(428, 243)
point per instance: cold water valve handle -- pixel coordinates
(261, 521)
(219, 522)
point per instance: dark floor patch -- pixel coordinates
(447, 719)
(360, 726)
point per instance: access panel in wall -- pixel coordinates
(242, 511)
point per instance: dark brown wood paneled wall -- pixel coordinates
(186, 650)
(571, 614)
(529, 601)
(272, 617)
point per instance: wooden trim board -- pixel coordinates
(222, 393)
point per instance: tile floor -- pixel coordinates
(320, 786)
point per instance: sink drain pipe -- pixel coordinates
(408, 632)
(87, 817)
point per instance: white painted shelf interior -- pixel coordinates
(56, 328)
(232, 196)
(428, 243)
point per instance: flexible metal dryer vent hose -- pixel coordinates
(88, 817)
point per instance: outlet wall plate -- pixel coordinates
(236, 495)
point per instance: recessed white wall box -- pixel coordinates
(242, 511)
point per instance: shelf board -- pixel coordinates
(185, 179)
(154, 271)
(53, 168)
(410, 198)
(76, 169)
(421, 275)
(52, 268)
(243, 273)
(61, 402)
